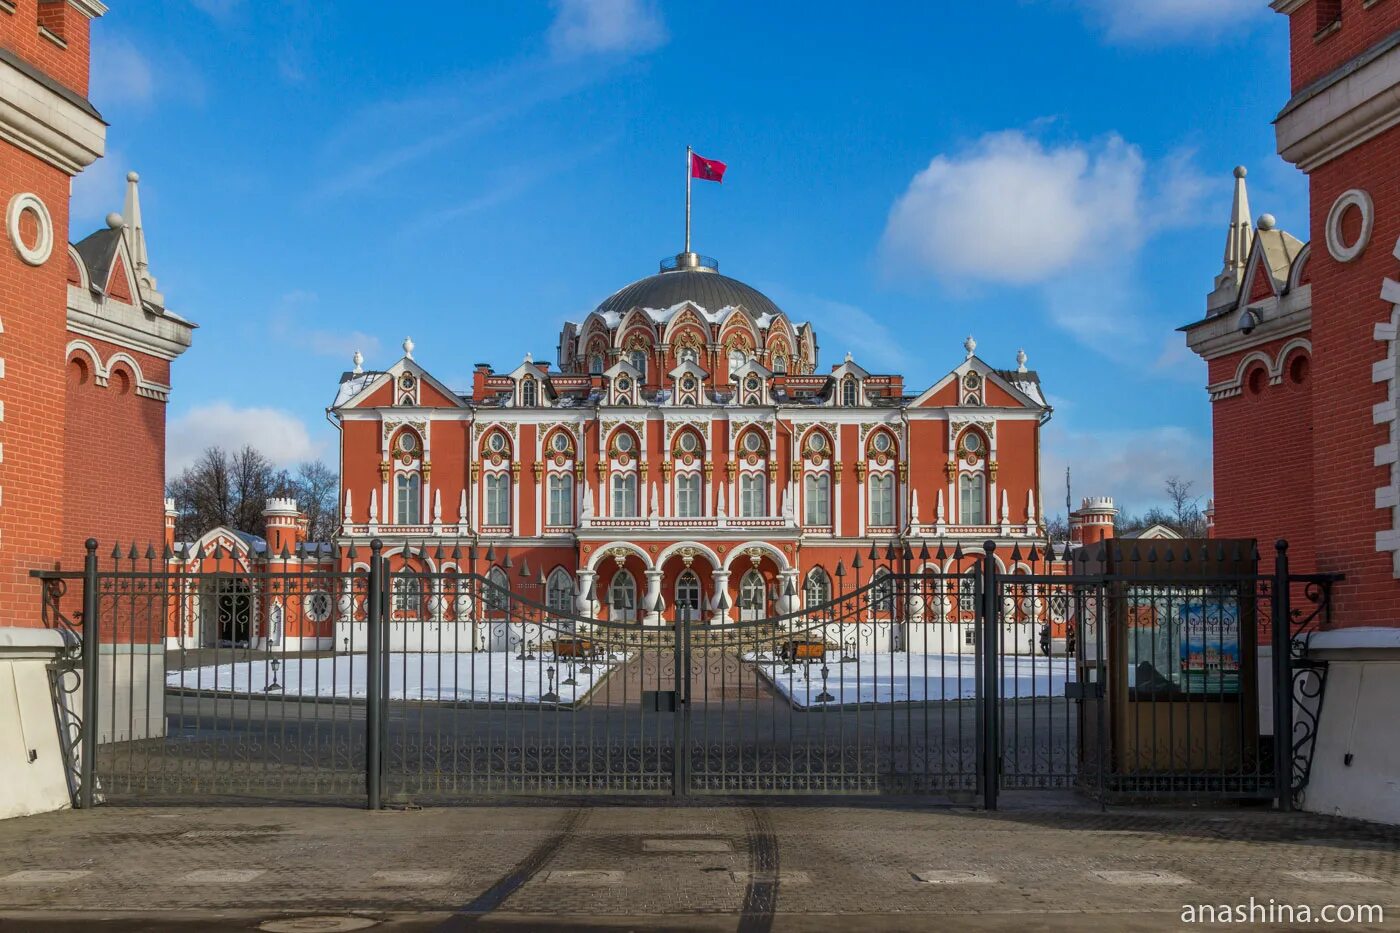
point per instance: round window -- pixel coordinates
(688, 384)
(882, 442)
(689, 443)
(752, 442)
(561, 443)
(818, 441)
(623, 383)
(407, 381)
(497, 442)
(408, 443)
(624, 442)
(972, 380)
(972, 441)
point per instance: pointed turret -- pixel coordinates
(1239, 240)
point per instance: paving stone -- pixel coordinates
(221, 875)
(1332, 877)
(780, 877)
(1137, 877)
(942, 876)
(44, 876)
(584, 876)
(686, 845)
(412, 876)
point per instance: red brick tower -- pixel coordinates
(50, 133)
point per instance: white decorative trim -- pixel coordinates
(1358, 106)
(39, 253)
(1362, 202)
(1229, 388)
(102, 372)
(39, 120)
(1384, 371)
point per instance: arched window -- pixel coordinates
(595, 364)
(638, 358)
(498, 499)
(622, 597)
(624, 495)
(559, 592)
(688, 355)
(753, 499)
(881, 498)
(408, 595)
(688, 502)
(752, 597)
(529, 392)
(408, 499)
(848, 391)
(561, 499)
(737, 358)
(972, 499)
(498, 593)
(817, 498)
(688, 593)
(780, 362)
(967, 592)
(882, 593)
(817, 590)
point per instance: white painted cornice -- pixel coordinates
(127, 325)
(92, 9)
(1359, 101)
(43, 122)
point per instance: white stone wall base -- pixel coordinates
(33, 778)
(1359, 719)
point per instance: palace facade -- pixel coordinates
(685, 452)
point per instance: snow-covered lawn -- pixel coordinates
(900, 677)
(494, 676)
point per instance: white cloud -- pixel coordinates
(1130, 465)
(1167, 20)
(287, 325)
(281, 436)
(120, 73)
(854, 330)
(1011, 210)
(584, 27)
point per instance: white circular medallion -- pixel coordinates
(39, 253)
(1359, 199)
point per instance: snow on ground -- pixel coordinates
(495, 676)
(900, 677)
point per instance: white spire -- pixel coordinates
(1240, 237)
(348, 510)
(136, 233)
(373, 506)
(437, 506)
(1030, 506)
(914, 507)
(462, 508)
(940, 514)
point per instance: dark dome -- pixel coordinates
(700, 283)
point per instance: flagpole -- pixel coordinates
(687, 198)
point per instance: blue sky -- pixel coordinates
(1046, 174)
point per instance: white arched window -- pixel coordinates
(881, 499)
(408, 498)
(559, 592)
(816, 496)
(736, 360)
(752, 598)
(882, 593)
(622, 597)
(529, 392)
(688, 593)
(498, 499)
(624, 495)
(498, 593)
(688, 501)
(561, 499)
(780, 362)
(972, 499)
(753, 500)
(848, 391)
(408, 594)
(817, 590)
(638, 358)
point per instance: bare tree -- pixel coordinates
(231, 489)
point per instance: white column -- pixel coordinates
(721, 616)
(653, 616)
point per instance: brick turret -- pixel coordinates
(1092, 522)
(286, 526)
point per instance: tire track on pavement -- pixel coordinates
(761, 892)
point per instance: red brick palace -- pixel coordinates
(686, 452)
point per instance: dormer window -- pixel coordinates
(595, 364)
(849, 393)
(972, 389)
(529, 393)
(638, 359)
(780, 363)
(736, 359)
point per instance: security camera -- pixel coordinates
(1248, 321)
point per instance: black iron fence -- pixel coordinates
(1124, 670)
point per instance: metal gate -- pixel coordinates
(439, 684)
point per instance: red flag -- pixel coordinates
(706, 169)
